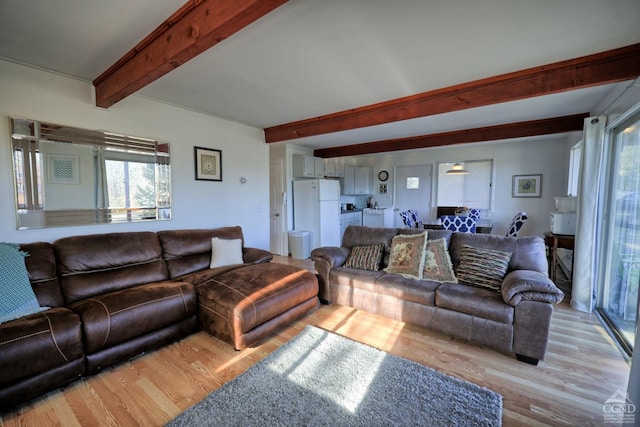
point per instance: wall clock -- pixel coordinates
(383, 175)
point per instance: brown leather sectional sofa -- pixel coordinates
(113, 296)
(515, 320)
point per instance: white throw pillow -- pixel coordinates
(225, 252)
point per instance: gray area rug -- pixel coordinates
(322, 379)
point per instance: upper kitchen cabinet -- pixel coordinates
(357, 180)
(333, 168)
(307, 166)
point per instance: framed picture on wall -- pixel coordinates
(208, 164)
(526, 186)
(63, 169)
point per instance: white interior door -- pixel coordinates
(412, 190)
(277, 208)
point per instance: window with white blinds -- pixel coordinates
(472, 190)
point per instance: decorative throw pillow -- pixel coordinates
(365, 257)
(17, 298)
(437, 262)
(483, 267)
(407, 255)
(225, 252)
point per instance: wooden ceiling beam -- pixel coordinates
(489, 133)
(601, 68)
(194, 28)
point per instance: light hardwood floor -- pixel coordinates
(581, 370)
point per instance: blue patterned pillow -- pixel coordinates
(482, 267)
(16, 295)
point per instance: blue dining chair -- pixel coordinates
(516, 224)
(411, 219)
(462, 224)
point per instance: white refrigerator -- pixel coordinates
(316, 208)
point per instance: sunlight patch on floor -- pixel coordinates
(346, 384)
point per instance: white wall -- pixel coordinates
(548, 156)
(36, 94)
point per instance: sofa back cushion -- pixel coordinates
(100, 263)
(357, 235)
(41, 266)
(188, 251)
(431, 234)
(528, 253)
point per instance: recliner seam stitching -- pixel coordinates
(118, 267)
(108, 318)
(23, 337)
(143, 304)
(53, 337)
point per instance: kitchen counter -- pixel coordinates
(343, 211)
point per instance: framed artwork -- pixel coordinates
(526, 186)
(208, 164)
(382, 188)
(63, 169)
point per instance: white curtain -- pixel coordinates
(585, 252)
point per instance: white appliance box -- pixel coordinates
(563, 223)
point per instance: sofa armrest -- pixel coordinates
(528, 285)
(255, 255)
(325, 259)
(333, 256)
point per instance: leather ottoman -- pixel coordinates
(245, 305)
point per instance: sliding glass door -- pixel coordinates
(618, 299)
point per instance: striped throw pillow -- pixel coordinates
(483, 267)
(365, 257)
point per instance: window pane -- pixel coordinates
(575, 158)
(413, 183)
(131, 190)
(473, 190)
(21, 191)
(619, 300)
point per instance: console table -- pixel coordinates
(553, 242)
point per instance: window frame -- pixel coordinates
(447, 165)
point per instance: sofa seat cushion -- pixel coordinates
(247, 297)
(414, 290)
(113, 318)
(479, 302)
(39, 343)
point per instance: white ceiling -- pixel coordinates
(310, 57)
